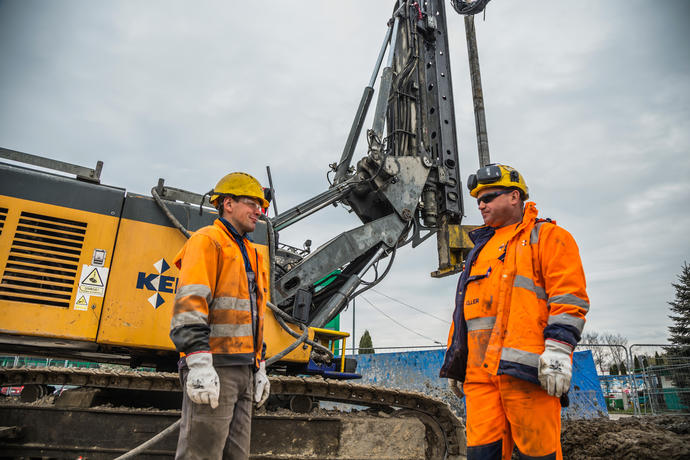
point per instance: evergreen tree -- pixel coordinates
(366, 347)
(680, 331)
(679, 353)
(613, 370)
(622, 368)
(637, 367)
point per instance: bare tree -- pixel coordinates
(606, 349)
(600, 353)
(616, 343)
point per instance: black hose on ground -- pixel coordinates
(279, 317)
(301, 338)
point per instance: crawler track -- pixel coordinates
(441, 423)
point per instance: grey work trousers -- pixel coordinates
(223, 432)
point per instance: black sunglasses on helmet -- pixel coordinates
(486, 175)
(489, 197)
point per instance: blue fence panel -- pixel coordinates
(586, 398)
(412, 370)
(418, 371)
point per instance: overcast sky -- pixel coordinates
(589, 100)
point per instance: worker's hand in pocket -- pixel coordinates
(203, 386)
(262, 387)
(555, 367)
(456, 387)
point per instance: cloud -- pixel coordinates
(589, 100)
(657, 196)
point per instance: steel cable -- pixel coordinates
(469, 8)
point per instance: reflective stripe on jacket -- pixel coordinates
(541, 295)
(213, 310)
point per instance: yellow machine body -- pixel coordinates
(141, 290)
(84, 264)
(50, 286)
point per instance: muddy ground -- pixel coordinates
(658, 437)
(648, 437)
(628, 438)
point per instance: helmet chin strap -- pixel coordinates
(201, 205)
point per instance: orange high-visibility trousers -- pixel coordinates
(507, 411)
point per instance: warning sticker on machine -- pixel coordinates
(82, 302)
(98, 257)
(92, 280)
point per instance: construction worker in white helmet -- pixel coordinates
(519, 312)
(217, 325)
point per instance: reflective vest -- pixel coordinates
(540, 294)
(214, 307)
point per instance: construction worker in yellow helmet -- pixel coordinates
(238, 184)
(519, 312)
(217, 325)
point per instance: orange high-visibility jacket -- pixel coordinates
(213, 310)
(541, 295)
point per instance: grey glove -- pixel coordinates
(203, 386)
(456, 387)
(262, 387)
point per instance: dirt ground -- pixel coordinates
(658, 437)
(628, 438)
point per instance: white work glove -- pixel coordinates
(456, 387)
(262, 387)
(203, 386)
(555, 368)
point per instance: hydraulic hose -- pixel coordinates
(142, 447)
(469, 8)
(295, 344)
(281, 316)
(169, 215)
(378, 279)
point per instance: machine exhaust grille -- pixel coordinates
(3, 216)
(43, 261)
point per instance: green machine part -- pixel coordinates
(333, 324)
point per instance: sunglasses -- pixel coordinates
(489, 197)
(251, 202)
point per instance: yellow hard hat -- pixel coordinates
(497, 175)
(238, 184)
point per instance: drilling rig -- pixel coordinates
(86, 268)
